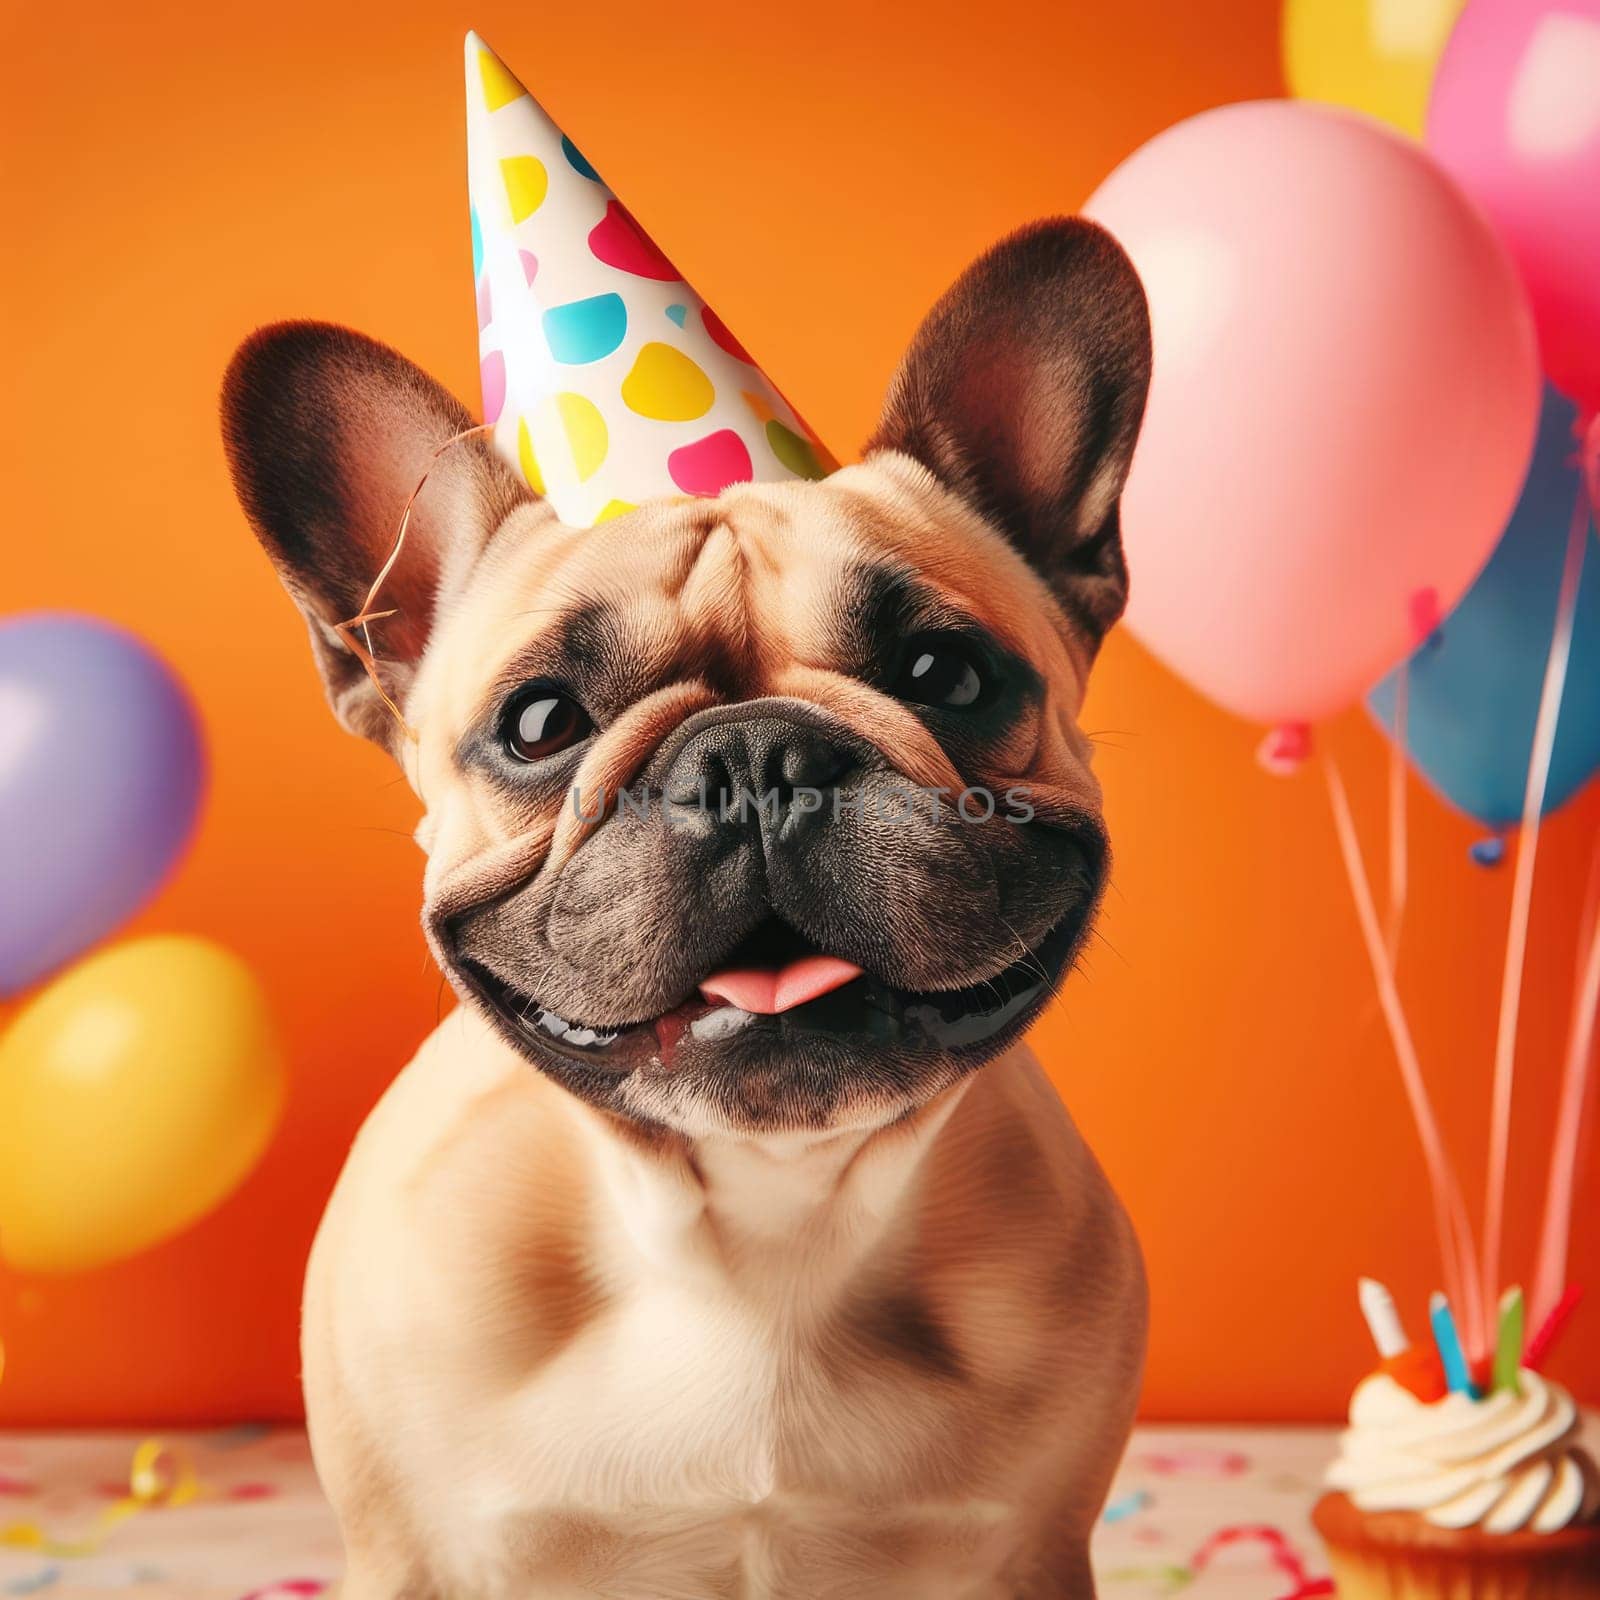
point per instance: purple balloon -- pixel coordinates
(101, 768)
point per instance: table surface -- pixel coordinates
(1216, 1513)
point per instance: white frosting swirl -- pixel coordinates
(1506, 1463)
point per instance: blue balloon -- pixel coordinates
(1475, 686)
(101, 766)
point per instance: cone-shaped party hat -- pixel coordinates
(607, 378)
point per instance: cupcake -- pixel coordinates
(1462, 1498)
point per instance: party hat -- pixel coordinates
(607, 378)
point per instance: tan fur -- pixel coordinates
(807, 1310)
(808, 1368)
(549, 1353)
(668, 569)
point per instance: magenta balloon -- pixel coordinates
(1342, 406)
(1515, 116)
(100, 777)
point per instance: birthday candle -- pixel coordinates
(1539, 1344)
(1383, 1320)
(1508, 1342)
(1414, 1367)
(1456, 1372)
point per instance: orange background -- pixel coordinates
(820, 173)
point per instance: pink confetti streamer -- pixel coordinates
(1196, 1460)
(1280, 1552)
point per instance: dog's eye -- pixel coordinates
(541, 719)
(940, 669)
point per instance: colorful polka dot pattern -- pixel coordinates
(492, 372)
(499, 87)
(667, 386)
(620, 242)
(710, 464)
(607, 380)
(527, 183)
(585, 330)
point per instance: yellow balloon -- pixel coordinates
(1377, 56)
(136, 1093)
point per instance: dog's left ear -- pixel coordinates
(328, 434)
(1023, 391)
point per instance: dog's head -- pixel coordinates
(757, 812)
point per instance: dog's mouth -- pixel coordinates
(778, 983)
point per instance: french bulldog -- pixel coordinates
(725, 1240)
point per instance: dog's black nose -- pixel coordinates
(765, 772)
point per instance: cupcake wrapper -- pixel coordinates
(1430, 1575)
(1398, 1556)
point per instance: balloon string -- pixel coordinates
(1398, 842)
(1449, 1209)
(1539, 759)
(362, 649)
(1550, 1271)
(1561, 1190)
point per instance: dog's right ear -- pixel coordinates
(327, 434)
(1023, 391)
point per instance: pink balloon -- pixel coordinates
(1342, 407)
(1515, 117)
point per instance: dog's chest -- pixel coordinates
(689, 1445)
(698, 1389)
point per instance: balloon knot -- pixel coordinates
(1425, 615)
(1488, 852)
(1587, 432)
(1285, 749)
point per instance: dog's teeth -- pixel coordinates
(720, 1024)
(569, 1032)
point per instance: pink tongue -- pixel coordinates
(766, 992)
